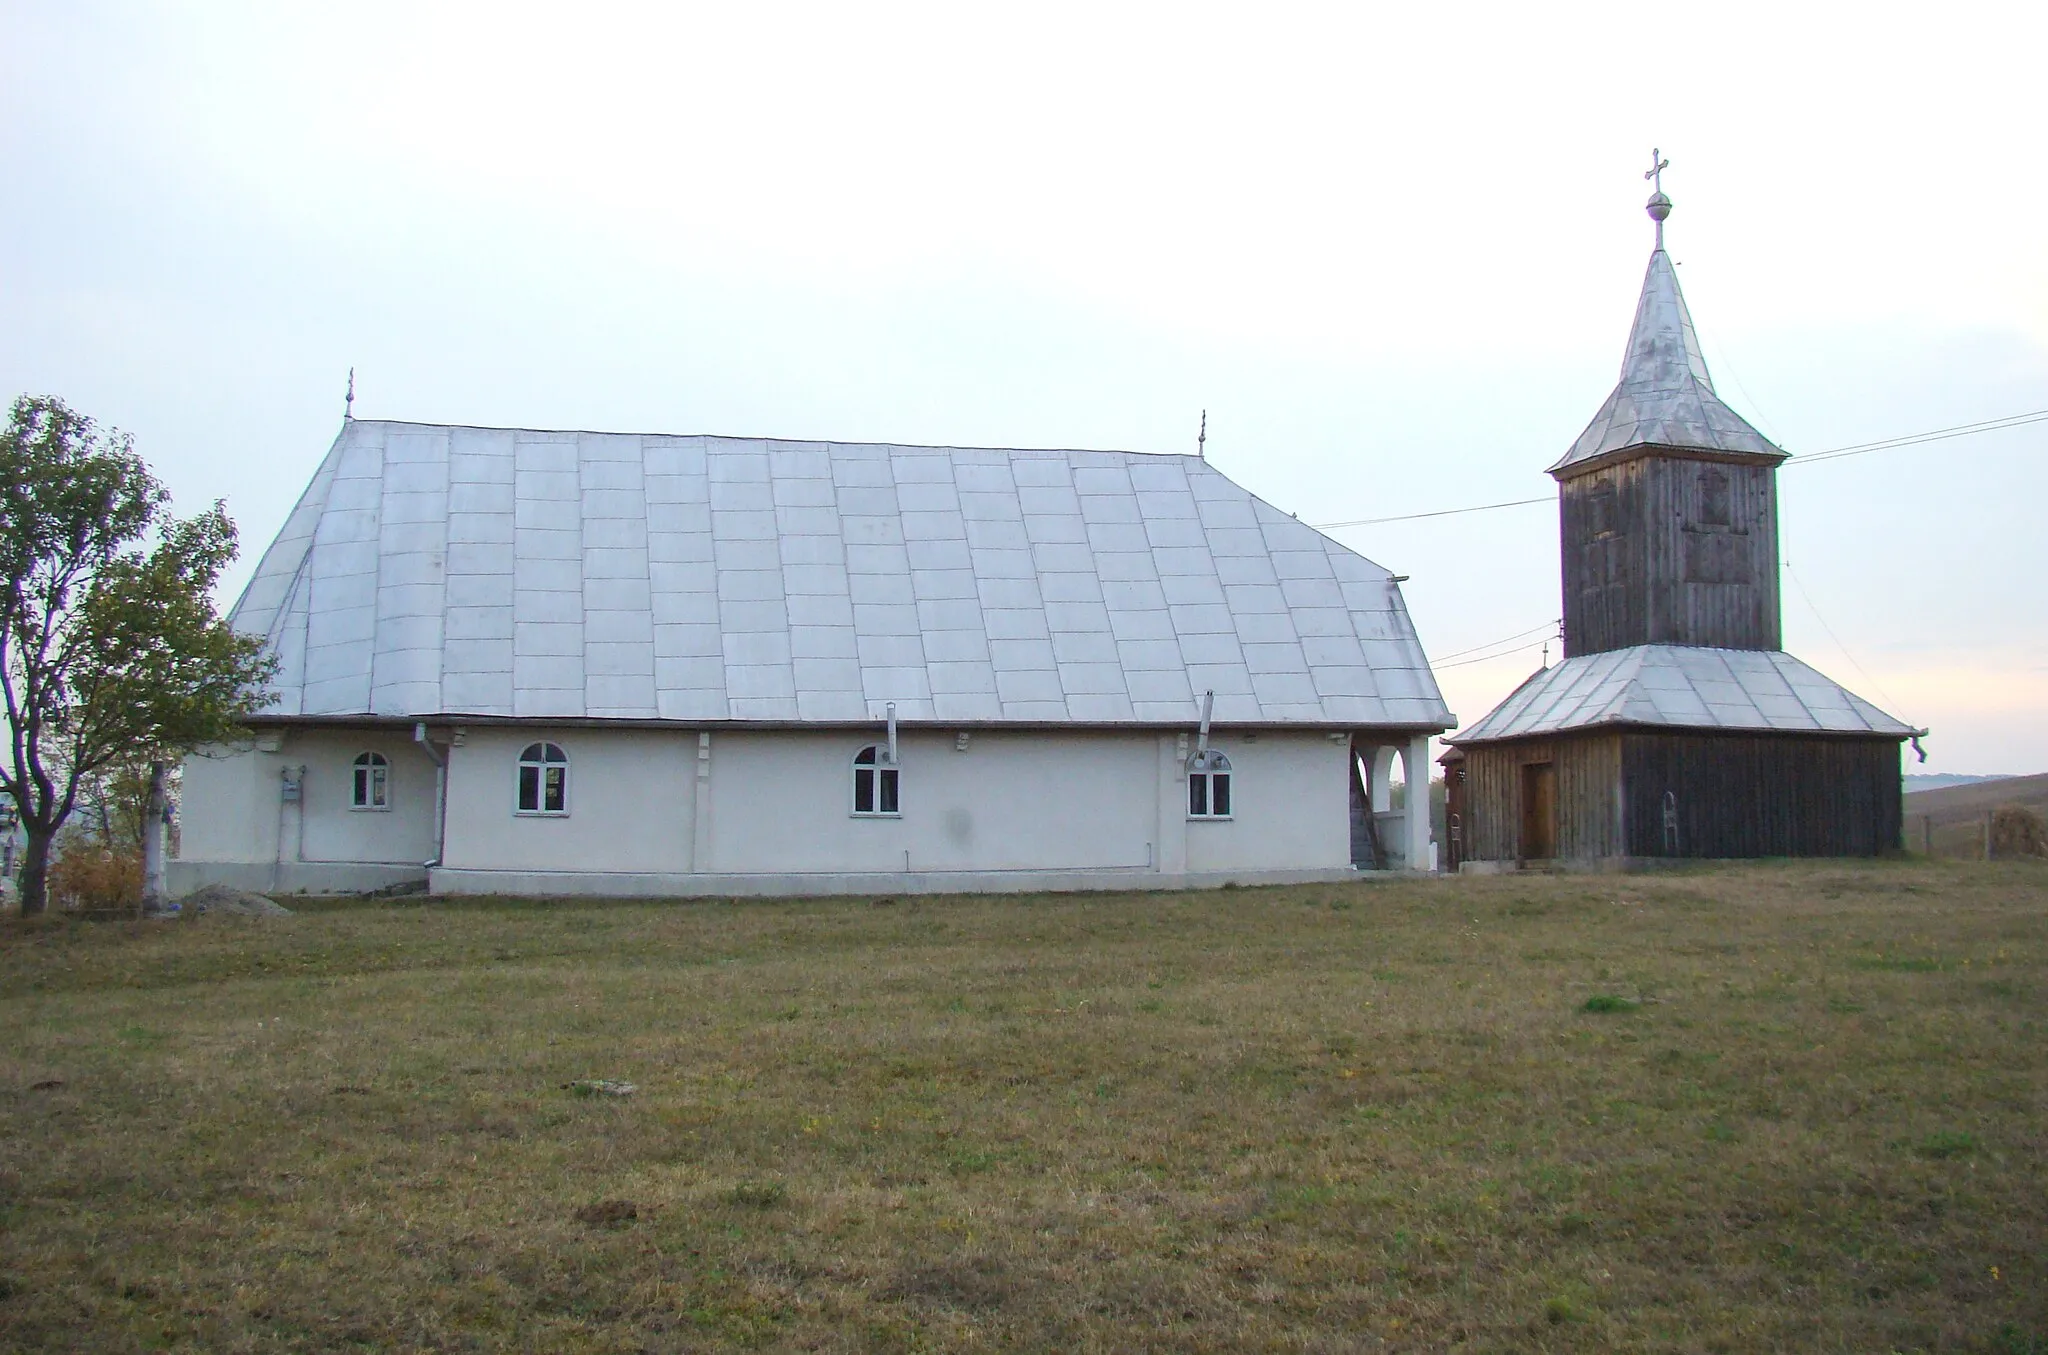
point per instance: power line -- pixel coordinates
(1439, 513)
(1489, 658)
(1938, 435)
(1808, 597)
(1812, 458)
(1461, 653)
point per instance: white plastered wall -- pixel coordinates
(1290, 806)
(1007, 801)
(675, 802)
(780, 802)
(233, 808)
(630, 803)
(238, 829)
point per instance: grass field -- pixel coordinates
(1744, 1109)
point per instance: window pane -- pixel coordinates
(554, 754)
(532, 753)
(377, 775)
(863, 791)
(1198, 793)
(556, 782)
(1220, 794)
(362, 786)
(889, 791)
(865, 755)
(529, 788)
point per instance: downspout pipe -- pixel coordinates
(1202, 739)
(419, 736)
(892, 733)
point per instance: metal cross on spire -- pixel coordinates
(348, 405)
(1658, 206)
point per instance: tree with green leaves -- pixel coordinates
(111, 653)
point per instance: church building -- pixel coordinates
(514, 661)
(1675, 726)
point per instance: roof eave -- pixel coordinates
(448, 721)
(1571, 470)
(1609, 726)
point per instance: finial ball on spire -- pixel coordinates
(1658, 207)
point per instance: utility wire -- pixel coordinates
(1488, 658)
(1461, 653)
(1812, 458)
(1938, 435)
(1808, 597)
(1439, 513)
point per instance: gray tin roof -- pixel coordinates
(1680, 687)
(1665, 398)
(434, 570)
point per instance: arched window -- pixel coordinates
(372, 784)
(543, 780)
(874, 782)
(1209, 786)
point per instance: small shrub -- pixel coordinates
(91, 879)
(2017, 830)
(1608, 1002)
(1558, 1310)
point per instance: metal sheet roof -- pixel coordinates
(1682, 687)
(1665, 397)
(434, 570)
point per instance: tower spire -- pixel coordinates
(1658, 206)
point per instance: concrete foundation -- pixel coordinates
(537, 883)
(290, 877)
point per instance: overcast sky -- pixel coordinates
(1395, 256)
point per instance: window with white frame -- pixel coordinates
(543, 780)
(372, 782)
(1209, 785)
(874, 783)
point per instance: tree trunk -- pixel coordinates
(155, 890)
(35, 870)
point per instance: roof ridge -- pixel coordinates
(762, 437)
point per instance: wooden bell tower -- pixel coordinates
(1668, 502)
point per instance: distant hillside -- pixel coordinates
(1946, 779)
(1956, 813)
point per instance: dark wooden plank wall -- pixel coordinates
(1750, 795)
(1588, 795)
(1670, 549)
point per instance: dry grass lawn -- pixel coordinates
(1744, 1109)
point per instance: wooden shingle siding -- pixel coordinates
(1672, 549)
(1751, 795)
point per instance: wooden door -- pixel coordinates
(1539, 811)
